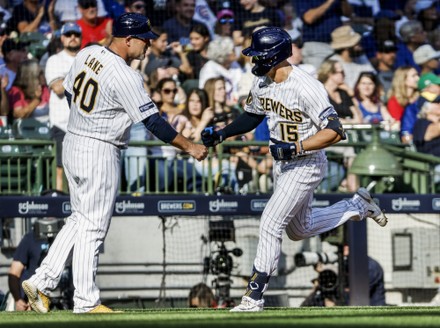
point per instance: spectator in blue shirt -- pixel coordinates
(179, 26)
(413, 36)
(427, 128)
(429, 85)
(427, 131)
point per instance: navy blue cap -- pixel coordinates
(133, 24)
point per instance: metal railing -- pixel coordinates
(28, 166)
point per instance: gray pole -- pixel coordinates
(358, 263)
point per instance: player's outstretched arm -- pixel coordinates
(199, 152)
(243, 123)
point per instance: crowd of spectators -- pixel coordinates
(378, 59)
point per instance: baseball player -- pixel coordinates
(302, 123)
(106, 97)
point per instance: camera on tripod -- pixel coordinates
(312, 258)
(47, 228)
(327, 284)
(220, 263)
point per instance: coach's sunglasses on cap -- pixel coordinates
(226, 20)
(70, 34)
(168, 91)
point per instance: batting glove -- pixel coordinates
(211, 137)
(282, 151)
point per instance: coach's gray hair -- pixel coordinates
(220, 49)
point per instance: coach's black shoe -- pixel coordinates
(373, 209)
(249, 305)
(37, 300)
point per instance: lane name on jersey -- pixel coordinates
(94, 64)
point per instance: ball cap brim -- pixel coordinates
(148, 35)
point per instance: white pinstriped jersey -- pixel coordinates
(297, 108)
(107, 96)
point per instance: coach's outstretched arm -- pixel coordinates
(198, 151)
(165, 132)
(245, 122)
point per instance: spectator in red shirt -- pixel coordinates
(29, 95)
(95, 29)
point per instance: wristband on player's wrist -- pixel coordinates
(301, 148)
(222, 135)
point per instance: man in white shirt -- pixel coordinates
(57, 67)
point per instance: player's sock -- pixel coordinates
(257, 284)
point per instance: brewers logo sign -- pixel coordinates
(176, 206)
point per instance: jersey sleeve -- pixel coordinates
(252, 104)
(132, 96)
(317, 105)
(68, 80)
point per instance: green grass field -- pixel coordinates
(270, 317)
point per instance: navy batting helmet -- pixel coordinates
(133, 24)
(269, 47)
